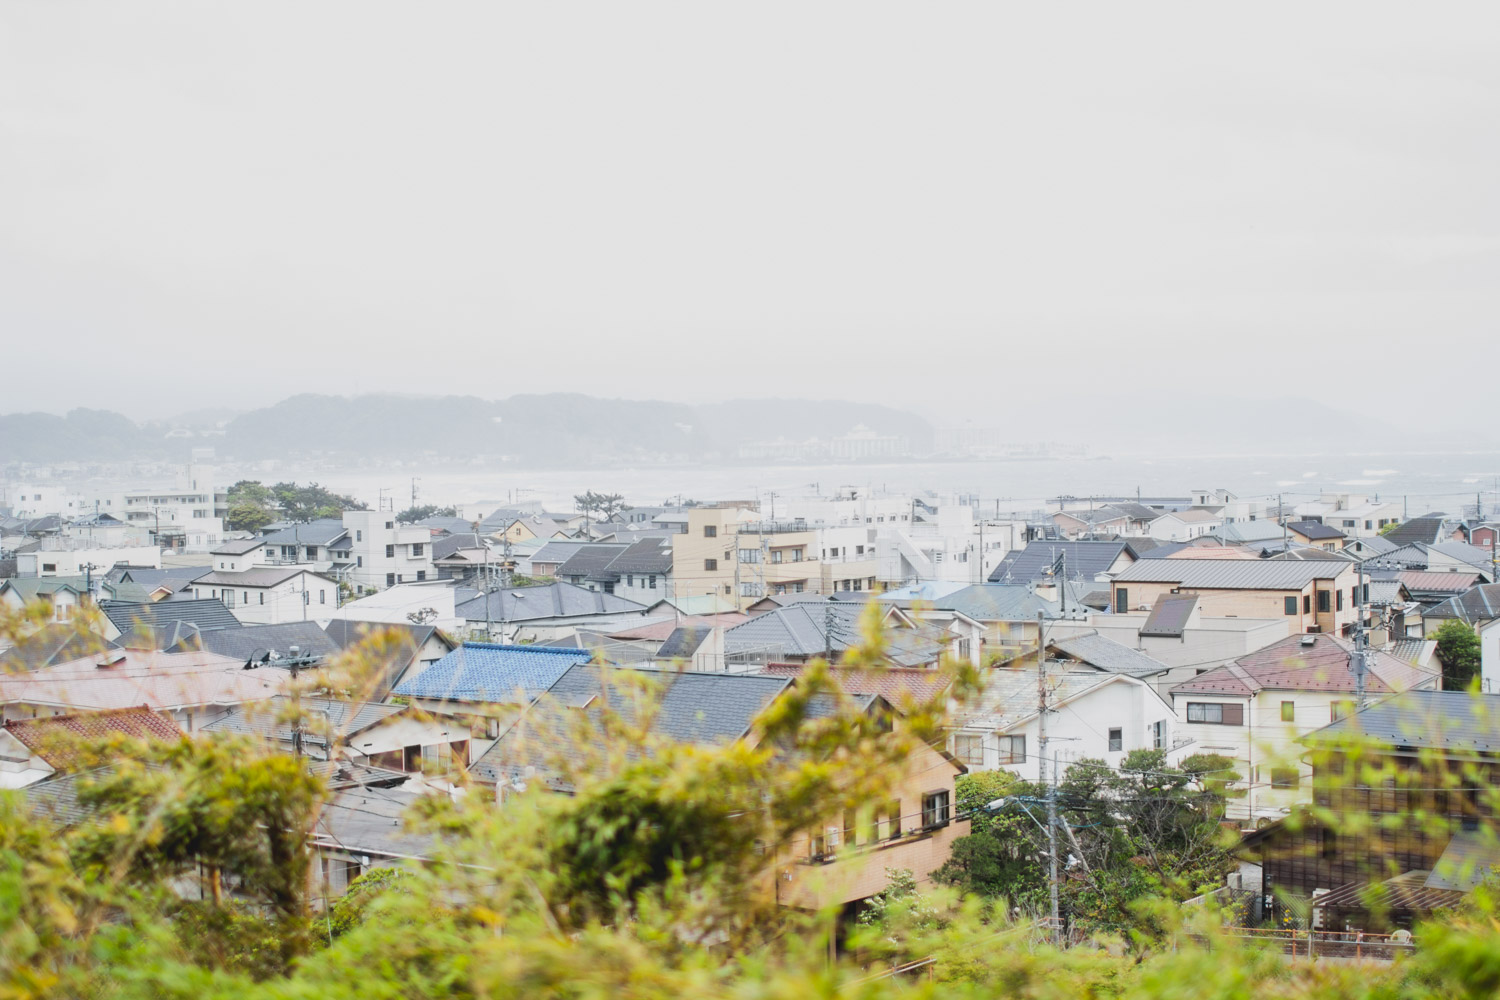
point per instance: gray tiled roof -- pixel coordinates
(445, 546)
(1429, 528)
(1231, 574)
(800, 630)
(236, 546)
(1443, 720)
(1010, 695)
(647, 555)
(1314, 530)
(592, 560)
(259, 576)
(684, 641)
(206, 614)
(1477, 604)
(368, 820)
(54, 643)
(1083, 559)
(992, 602)
(248, 640)
(490, 672)
(695, 708)
(556, 600)
(1106, 654)
(1369, 548)
(324, 531)
(557, 550)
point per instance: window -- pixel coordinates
(798, 588)
(710, 531)
(421, 575)
(651, 582)
(390, 551)
(1122, 600)
(389, 525)
(1322, 602)
(1339, 605)
(1338, 709)
(749, 555)
(1116, 740)
(49, 567)
(1012, 749)
(1368, 526)
(359, 561)
(359, 536)
(893, 817)
(416, 549)
(228, 598)
(851, 828)
(262, 597)
(776, 555)
(710, 564)
(1159, 734)
(935, 810)
(322, 597)
(1216, 713)
(1306, 604)
(969, 749)
(1289, 606)
(859, 550)
(1285, 777)
(390, 579)
(1289, 711)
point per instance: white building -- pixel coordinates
(270, 595)
(239, 554)
(387, 552)
(32, 500)
(951, 542)
(187, 516)
(1185, 525)
(57, 556)
(1489, 656)
(1092, 714)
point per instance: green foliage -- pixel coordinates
(253, 505)
(413, 514)
(1387, 529)
(350, 909)
(602, 504)
(1458, 649)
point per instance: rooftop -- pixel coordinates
(1231, 574)
(489, 672)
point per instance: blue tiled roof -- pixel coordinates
(483, 671)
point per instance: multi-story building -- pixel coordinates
(1314, 596)
(187, 516)
(705, 556)
(385, 551)
(952, 542)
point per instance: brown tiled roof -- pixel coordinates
(1437, 581)
(894, 684)
(1288, 665)
(57, 739)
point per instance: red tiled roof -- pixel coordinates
(56, 739)
(894, 684)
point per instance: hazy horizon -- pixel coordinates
(964, 210)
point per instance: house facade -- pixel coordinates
(270, 595)
(1312, 596)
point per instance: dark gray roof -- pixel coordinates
(648, 555)
(1170, 616)
(1475, 605)
(696, 708)
(1232, 574)
(556, 600)
(1106, 654)
(1466, 861)
(53, 643)
(444, 547)
(557, 550)
(346, 633)
(368, 820)
(994, 602)
(249, 640)
(1429, 528)
(259, 576)
(802, 630)
(1083, 559)
(1315, 530)
(236, 546)
(206, 614)
(1369, 548)
(684, 642)
(1471, 555)
(592, 560)
(491, 672)
(442, 522)
(1441, 720)
(323, 531)
(177, 577)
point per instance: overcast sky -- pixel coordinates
(923, 204)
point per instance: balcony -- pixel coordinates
(775, 527)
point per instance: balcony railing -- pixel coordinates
(775, 527)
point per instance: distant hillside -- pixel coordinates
(536, 430)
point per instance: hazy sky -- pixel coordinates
(923, 204)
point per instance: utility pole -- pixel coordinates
(1281, 513)
(1361, 641)
(1050, 780)
(293, 666)
(828, 632)
(414, 481)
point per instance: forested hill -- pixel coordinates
(554, 429)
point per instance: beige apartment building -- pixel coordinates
(705, 557)
(1313, 596)
(795, 557)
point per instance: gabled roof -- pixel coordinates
(1315, 530)
(991, 602)
(1169, 618)
(684, 642)
(52, 643)
(1370, 548)
(1317, 662)
(1387, 592)
(1480, 603)
(489, 672)
(895, 684)
(56, 739)
(449, 524)
(1442, 720)
(158, 680)
(1231, 574)
(1463, 552)
(249, 640)
(31, 588)
(1466, 861)
(803, 630)
(555, 600)
(1429, 529)
(646, 555)
(1437, 583)
(236, 546)
(1108, 655)
(1010, 695)
(1082, 559)
(176, 577)
(258, 577)
(324, 531)
(693, 708)
(206, 614)
(347, 632)
(1249, 531)
(448, 545)
(557, 550)
(592, 560)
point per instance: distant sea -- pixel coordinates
(1429, 481)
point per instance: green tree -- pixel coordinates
(252, 506)
(1458, 649)
(311, 502)
(413, 514)
(603, 504)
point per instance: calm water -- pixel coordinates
(1429, 481)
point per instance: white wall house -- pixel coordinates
(271, 595)
(56, 556)
(187, 516)
(239, 554)
(1489, 656)
(1185, 525)
(32, 500)
(1093, 714)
